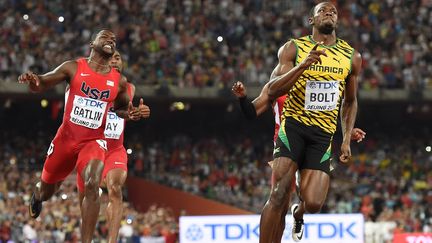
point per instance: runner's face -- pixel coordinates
(325, 18)
(116, 61)
(105, 43)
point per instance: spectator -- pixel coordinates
(176, 44)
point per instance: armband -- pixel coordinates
(247, 108)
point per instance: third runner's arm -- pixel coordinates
(255, 108)
(122, 105)
(262, 102)
(125, 109)
(247, 108)
(143, 110)
(131, 93)
(349, 107)
(285, 73)
(358, 135)
(39, 83)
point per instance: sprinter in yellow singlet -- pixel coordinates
(319, 73)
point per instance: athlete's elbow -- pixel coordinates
(272, 96)
(272, 93)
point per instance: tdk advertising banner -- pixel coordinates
(331, 228)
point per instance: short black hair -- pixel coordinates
(95, 33)
(312, 10)
(93, 36)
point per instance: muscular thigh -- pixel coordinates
(115, 159)
(60, 161)
(317, 150)
(314, 185)
(290, 142)
(283, 172)
(90, 150)
(315, 170)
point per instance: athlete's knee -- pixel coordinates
(92, 175)
(282, 178)
(91, 183)
(278, 195)
(313, 206)
(91, 190)
(115, 191)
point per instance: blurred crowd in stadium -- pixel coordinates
(60, 219)
(390, 179)
(387, 180)
(175, 43)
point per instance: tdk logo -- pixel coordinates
(330, 230)
(91, 102)
(194, 233)
(239, 231)
(233, 231)
(113, 116)
(322, 85)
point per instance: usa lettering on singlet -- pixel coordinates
(114, 126)
(314, 99)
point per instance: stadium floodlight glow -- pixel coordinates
(44, 103)
(428, 149)
(64, 196)
(179, 106)
(61, 19)
(129, 221)
(25, 17)
(220, 38)
(129, 151)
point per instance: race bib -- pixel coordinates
(114, 126)
(87, 112)
(321, 95)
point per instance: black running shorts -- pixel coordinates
(308, 146)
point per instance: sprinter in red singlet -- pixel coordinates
(79, 142)
(115, 169)
(258, 106)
